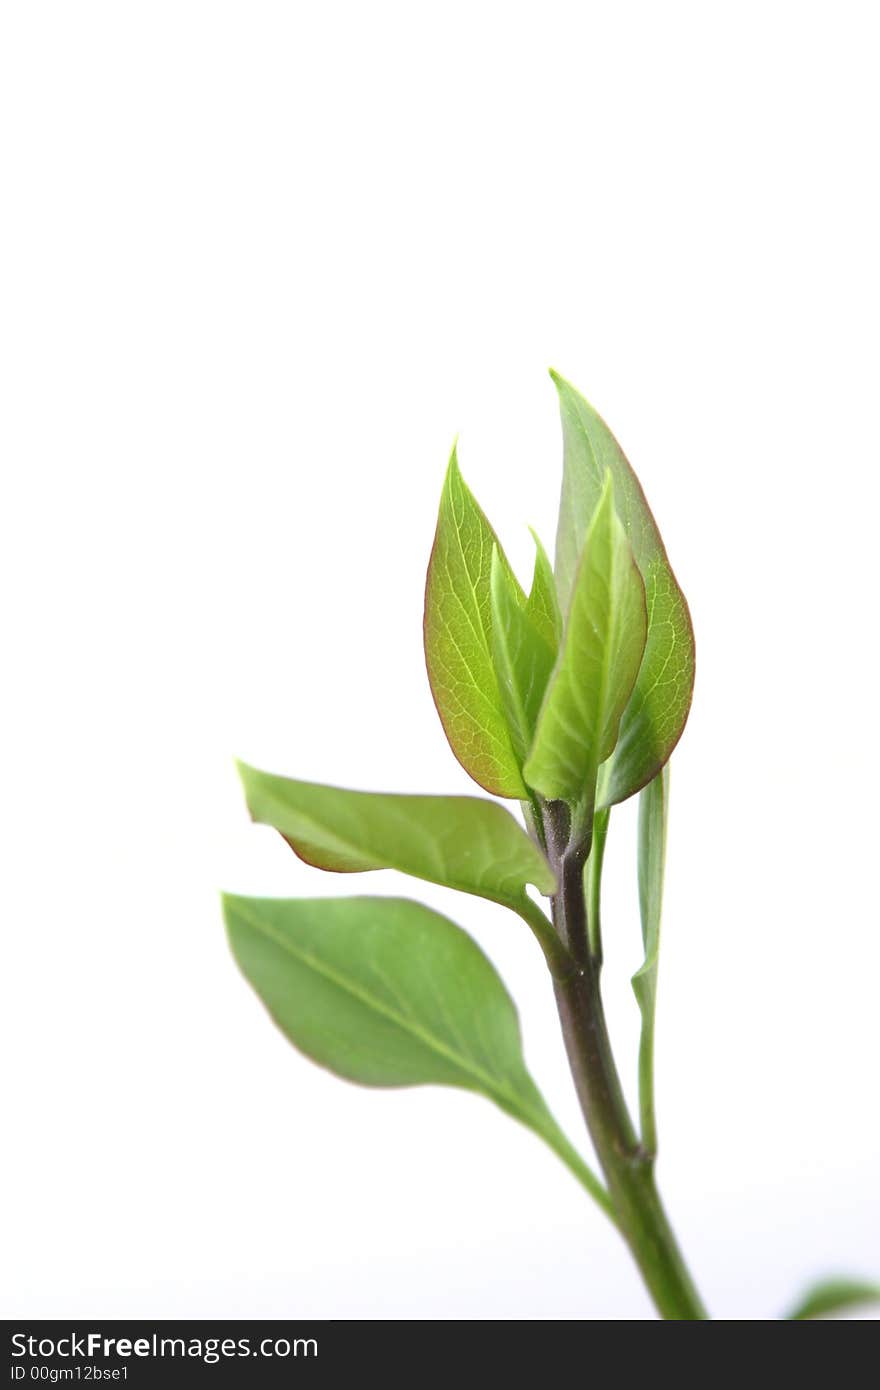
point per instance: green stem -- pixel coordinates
(594, 882)
(629, 1171)
(653, 810)
(647, 1114)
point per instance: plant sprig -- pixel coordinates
(567, 698)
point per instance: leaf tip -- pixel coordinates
(227, 907)
(832, 1296)
(246, 774)
(249, 778)
(452, 468)
(562, 384)
(575, 400)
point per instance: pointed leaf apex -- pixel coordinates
(542, 604)
(245, 774)
(569, 393)
(539, 544)
(653, 721)
(457, 636)
(452, 468)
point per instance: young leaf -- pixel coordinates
(460, 841)
(458, 640)
(602, 647)
(542, 604)
(653, 808)
(385, 992)
(655, 717)
(834, 1296)
(522, 655)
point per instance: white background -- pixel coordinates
(260, 263)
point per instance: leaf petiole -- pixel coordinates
(653, 809)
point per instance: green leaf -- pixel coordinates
(522, 655)
(655, 717)
(653, 811)
(385, 992)
(542, 605)
(461, 841)
(458, 640)
(598, 662)
(834, 1296)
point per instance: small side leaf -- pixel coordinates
(385, 992)
(463, 842)
(458, 640)
(542, 605)
(834, 1296)
(653, 809)
(523, 659)
(598, 662)
(657, 712)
